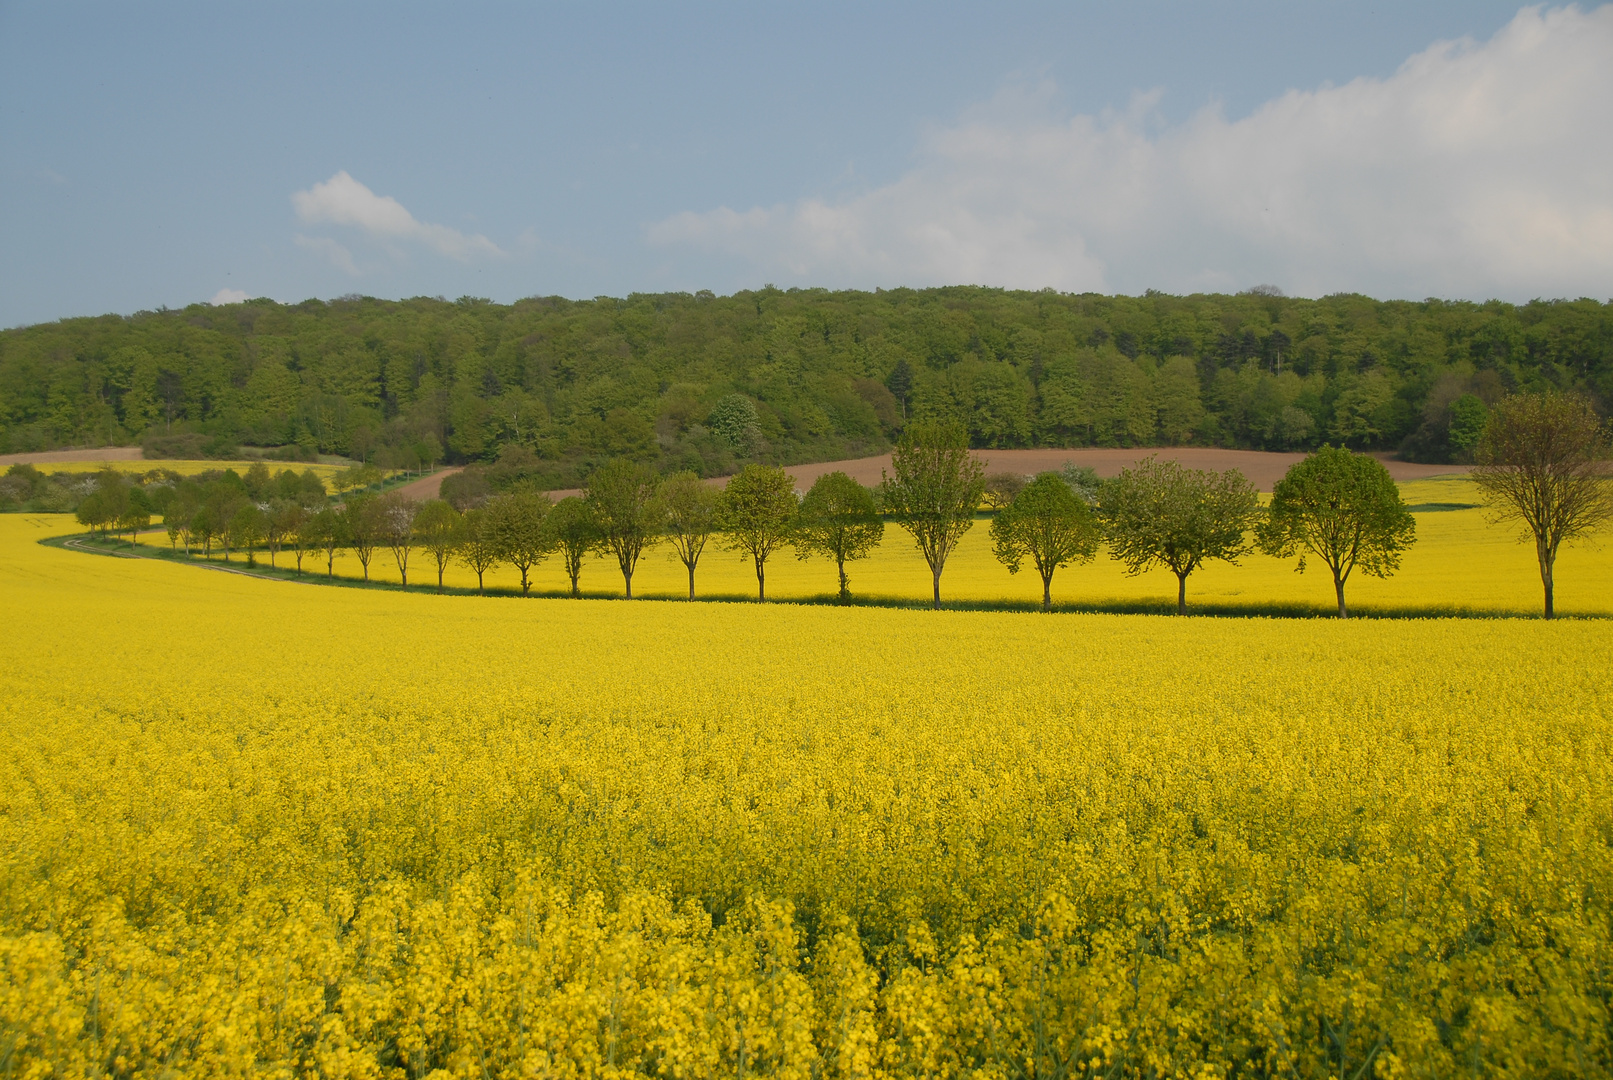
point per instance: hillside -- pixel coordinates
(705, 382)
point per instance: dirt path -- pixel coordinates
(77, 544)
(62, 457)
(428, 487)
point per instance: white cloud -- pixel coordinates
(339, 256)
(341, 200)
(1474, 170)
(229, 296)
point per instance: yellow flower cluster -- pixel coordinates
(258, 828)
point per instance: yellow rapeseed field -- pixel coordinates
(1461, 562)
(259, 828)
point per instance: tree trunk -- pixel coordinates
(1047, 591)
(937, 576)
(691, 579)
(479, 591)
(627, 582)
(845, 585)
(439, 577)
(525, 584)
(1338, 588)
(575, 572)
(761, 580)
(1545, 580)
(1181, 594)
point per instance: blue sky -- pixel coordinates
(161, 154)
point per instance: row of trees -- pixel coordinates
(1542, 464)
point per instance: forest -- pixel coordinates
(706, 383)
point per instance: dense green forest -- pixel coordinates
(706, 382)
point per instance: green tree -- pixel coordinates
(734, 420)
(621, 495)
(136, 514)
(756, 513)
(935, 491)
(280, 522)
(394, 522)
(690, 514)
(516, 524)
(1343, 508)
(244, 531)
(1468, 419)
(441, 529)
(838, 519)
(574, 533)
(1543, 463)
(1048, 523)
(292, 518)
(361, 527)
(202, 529)
(478, 547)
(1158, 513)
(327, 531)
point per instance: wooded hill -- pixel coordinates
(706, 382)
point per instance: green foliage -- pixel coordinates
(934, 491)
(704, 383)
(575, 533)
(756, 512)
(838, 519)
(1468, 417)
(689, 512)
(1158, 513)
(441, 530)
(1343, 508)
(515, 524)
(1048, 523)
(621, 499)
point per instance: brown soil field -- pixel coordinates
(62, 457)
(1263, 468)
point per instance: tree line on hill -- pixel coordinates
(1542, 463)
(554, 388)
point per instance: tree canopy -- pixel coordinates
(756, 512)
(706, 383)
(1160, 514)
(1343, 508)
(933, 490)
(1048, 523)
(838, 519)
(1543, 464)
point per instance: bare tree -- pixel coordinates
(935, 491)
(1542, 461)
